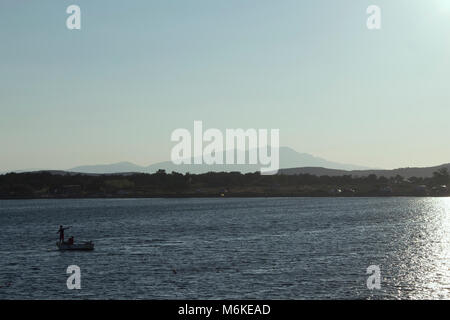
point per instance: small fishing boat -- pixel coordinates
(87, 245)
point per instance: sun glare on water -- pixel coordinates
(442, 246)
(429, 251)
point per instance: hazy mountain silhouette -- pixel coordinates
(291, 162)
(110, 168)
(288, 158)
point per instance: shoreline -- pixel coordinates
(45, 185)
(196, 196)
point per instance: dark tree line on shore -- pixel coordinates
(46, 184)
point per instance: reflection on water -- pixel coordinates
(423, 259)
(293, 248)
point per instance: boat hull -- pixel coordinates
(86, 246)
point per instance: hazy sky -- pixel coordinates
(116, 89)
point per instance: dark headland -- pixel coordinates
(300, 182)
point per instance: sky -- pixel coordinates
(137, 70)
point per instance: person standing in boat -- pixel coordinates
(61, 233)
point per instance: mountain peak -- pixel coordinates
(289, 158)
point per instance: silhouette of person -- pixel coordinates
(61, 233)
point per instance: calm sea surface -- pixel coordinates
(279, 248)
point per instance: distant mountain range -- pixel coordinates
(291, 162)
(289, 158)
